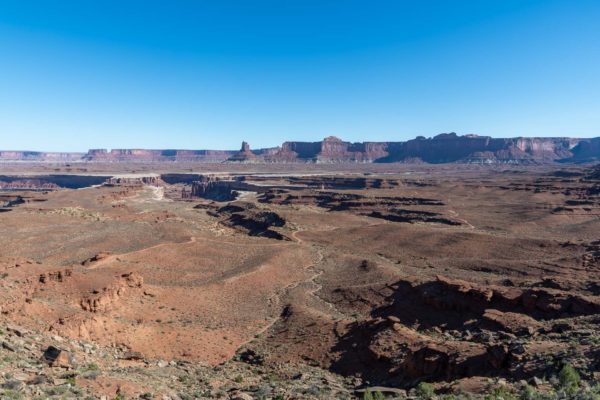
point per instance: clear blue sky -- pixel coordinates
(208, 74)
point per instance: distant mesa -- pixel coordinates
(443, 148)
(166, 155)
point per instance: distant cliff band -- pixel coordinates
(443, 148)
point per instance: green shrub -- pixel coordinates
(569, 379)
(11, 395)
(425, 390)
(368, 395)
(379, 396)
(528, 392)
(91, 367)
(501, 393)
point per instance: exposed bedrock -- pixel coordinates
(144, 155)
(152, 180)
(221, 187)
(39, 156)
(102, 300)
(443, 148)
(245, 155)
(50, 182)
(448, 329)
(248, 218)
(389, 208)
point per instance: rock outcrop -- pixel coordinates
(586, 150)
(28, 184)
(144, 155)
(134, 180)
(212, 187)
(330, 150)
(103, 300)
(249, 219)
(449, 147)
(245, 155)
(39, 156)
(443, 148)
(56, 357)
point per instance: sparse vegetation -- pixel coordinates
(501, 393)
(349, 302)
(91, 367)
(11, 395)
(569, 378)
(425, 390)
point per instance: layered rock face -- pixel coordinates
(244, 155)
(39, 156)
(28, 184)
(587, 150)
(443, 148)
(331, 149)
(483, 149)
(133, 180)
(143, 155)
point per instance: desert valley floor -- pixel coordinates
(312, 282)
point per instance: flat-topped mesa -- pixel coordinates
(449, 147)
(134, 180)
(443, 148)
(28, 184)
(144, 155)
(40, 156)
(330, 150)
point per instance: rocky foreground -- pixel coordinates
(37, 366)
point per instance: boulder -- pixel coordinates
(56, 357)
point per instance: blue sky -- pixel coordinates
(208, 74)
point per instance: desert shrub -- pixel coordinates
(528, 392)
(91, 367)
(425, 390)
(11, 395)
(569, 379)
(378, 396)
(501, 393)
(368, 395)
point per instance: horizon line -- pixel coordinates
(110, 149)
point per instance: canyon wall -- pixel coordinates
(39, 156)
(450, 147)
(443, 148)
(143, 155)
(587, 150)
